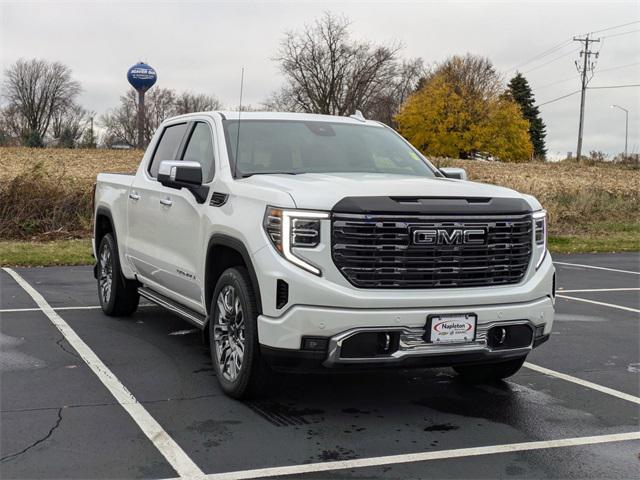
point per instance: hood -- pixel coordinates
(322, 191)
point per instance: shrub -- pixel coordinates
(37, 204)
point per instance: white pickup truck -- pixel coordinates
(307, 242)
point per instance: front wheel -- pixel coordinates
(489, 372)
(118, 296)
(233, 336)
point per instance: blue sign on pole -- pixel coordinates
(142, 76)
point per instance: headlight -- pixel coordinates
(294, 228)
(540, 235)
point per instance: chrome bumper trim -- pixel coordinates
(413, 345)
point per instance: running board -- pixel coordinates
(187, 314)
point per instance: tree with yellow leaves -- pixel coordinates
(460, 109)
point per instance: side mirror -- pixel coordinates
(181, 174)
(457, 173)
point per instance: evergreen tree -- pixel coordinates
(521, 92)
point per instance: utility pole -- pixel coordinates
(587, 66)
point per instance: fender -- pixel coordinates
(238, 245)
(107, 213)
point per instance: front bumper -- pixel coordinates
(284, 335)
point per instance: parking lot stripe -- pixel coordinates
(584, 383)
(597, 268)
(589, 290)
(610, 305)
(421, 457)
(177, 458)
(37, 309)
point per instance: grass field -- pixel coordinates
(45, 201)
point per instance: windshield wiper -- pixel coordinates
(246, 175)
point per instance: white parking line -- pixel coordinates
(421, 457)
(610, 305)
(177, 458)
(588, 290)
(597, 268)
(584, 383)
(38, 309)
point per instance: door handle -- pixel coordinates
(134, 196)
(167, 202)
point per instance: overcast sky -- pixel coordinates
(201, 46)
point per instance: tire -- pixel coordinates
(489, 372)
(118, 296)
(233, 337)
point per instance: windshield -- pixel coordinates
(277, 146)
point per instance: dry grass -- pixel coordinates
(578, 197)
(77, 164)
(46, 193)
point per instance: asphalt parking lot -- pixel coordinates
(137, 397)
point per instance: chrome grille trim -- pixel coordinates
(376, 251)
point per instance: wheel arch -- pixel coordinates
(224, 251)
(103, 224)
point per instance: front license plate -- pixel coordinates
(458, 328)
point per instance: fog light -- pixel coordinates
(499, 335)
(540, 331)
(314, 343)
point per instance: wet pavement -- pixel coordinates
(60, 421)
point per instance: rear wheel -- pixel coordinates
(489, 372)
(118, 296)
(233, 336)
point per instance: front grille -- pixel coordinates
(378, 251)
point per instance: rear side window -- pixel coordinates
(168, 146)
(200, 149)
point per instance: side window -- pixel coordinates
(168, 146)
(200, 149)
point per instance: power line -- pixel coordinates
(555, 83)
(614, 27)
(619, 66)
(559, 98)
(559, 46)
(621, 33)
(540, 55)
(615, 86)
(551, 61)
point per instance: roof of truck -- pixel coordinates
(307, 117)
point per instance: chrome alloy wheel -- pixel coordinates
(106, 273)
(229, 334)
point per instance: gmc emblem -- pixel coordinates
(449, 236)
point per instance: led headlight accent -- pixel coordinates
(294, 228)
(540, 234)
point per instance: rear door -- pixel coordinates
(181, 246)
(145, 212)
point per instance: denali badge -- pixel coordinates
(451, 236)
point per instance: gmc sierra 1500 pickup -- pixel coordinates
(304, 242)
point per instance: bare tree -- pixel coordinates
(390, 98)
(188, 102)
(68, 125)
(471, 74)
(36, 90)
(120, 123)
(160, 104)
(327, 72)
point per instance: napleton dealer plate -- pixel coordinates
(457, 328)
